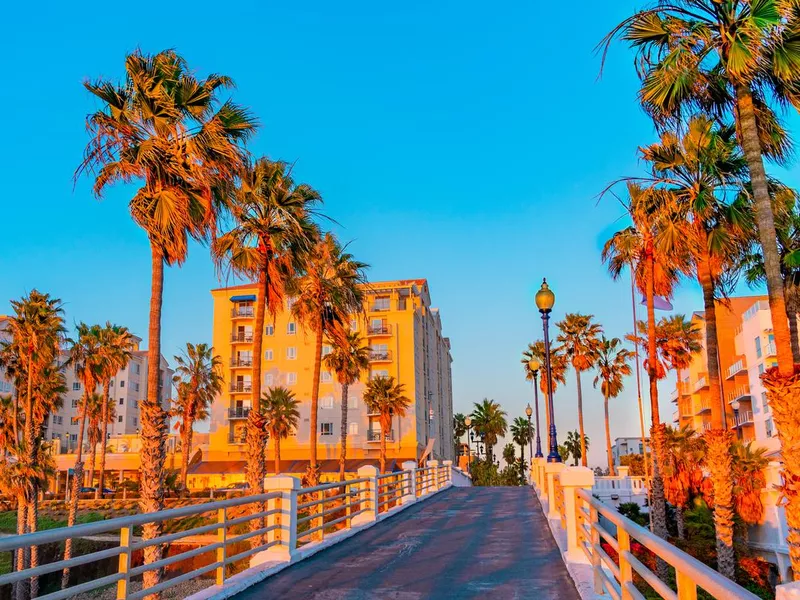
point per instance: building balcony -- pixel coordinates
(241, 387)
(380, 308)
(742, 393)
(380, 356)
(237, 437)
(735, 369)
(239, 412)
(241, 362)
(700, 384)
(375, 435)
(702, 407)
(744, 417)
(706, 427)
(770, 350)
(379, 329)
(243, 313)
(245, 338)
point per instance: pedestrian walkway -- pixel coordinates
(463, 543)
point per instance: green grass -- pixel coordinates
(8, 521)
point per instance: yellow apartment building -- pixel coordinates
(691, 394)
(405, 336)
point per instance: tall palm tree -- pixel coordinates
(348, 359)
(166, 129)
(683, 472)
(558, 367)
(612, 367)
(489, 420)
(117, 344)
(94, 412)
(387, 398)
(326, 293)
(576, 446)
(677, 339)
(521, 433)
(656, 273)
(748, 483)
(279, 408)
(580, 340)
(198, 379)
(87, 359)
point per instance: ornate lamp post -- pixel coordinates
(468, 423)
(735, 405)
(545, 299)
(533, 365)
(529, 412)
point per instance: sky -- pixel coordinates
(461, 142)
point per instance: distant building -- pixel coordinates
(628, 445)
(6, 386)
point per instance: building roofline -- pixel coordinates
(386, 283)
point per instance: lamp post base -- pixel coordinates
(554, 457)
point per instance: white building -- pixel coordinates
(627, 445)
(5, 383)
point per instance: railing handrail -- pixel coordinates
(702, 575)
(329, 486)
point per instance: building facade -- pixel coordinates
(629, 445)
(405, 337)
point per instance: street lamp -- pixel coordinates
(735, 405)
(468, 423)
(529, 412)
(534, 366)
(545, 299)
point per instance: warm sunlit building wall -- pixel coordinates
(406, 341)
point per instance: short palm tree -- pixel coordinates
(279, 407)
(612, 367)
(748, 483)
(387, 398)
(509, 454)
(348, 359)
(576, 446)
(116, 343)
(94, 412)
(522, 434)
(168, 131)
(326, 294)
(198, 380)
(489, 420)
(558, 367)
(683, 472)
(580, 340)
(459, 430)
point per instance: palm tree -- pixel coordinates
(612, 366)
(94, 411)
(489, 420)
(348, 359)
(580, 339)
(748, 483)
(576, 446)
(509, 454)
(522, 434)
(459, 430)
(117, 343)
(326, 294)
(677, 339)
(385, 397)
(683, 472)
(198, 379)
(558, 367)
(169, 130)
(87, 359)
(279, 408)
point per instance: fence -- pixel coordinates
(566, 492)
(620, 489)
(283, 525)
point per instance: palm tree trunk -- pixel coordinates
(255, 469)
(383, 449)
(680, 521)
(77, 480)
(765, 220)
(154, 427)
(580, 418)
(258, 337)
(343, 435)
(104, 441)
(21, 587)
(790, 293)
(313, 468)
(92, 457)
(33, 526)
(186, 449)
(277, 455)
(608, 441)
(33, 503)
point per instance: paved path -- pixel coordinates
(464, 543)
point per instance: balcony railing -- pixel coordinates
(380, 355)
(735, 369)
(242, 337)
(744, 417)
(379, 329)
(770, 349)
(242, 312)
(700, 384)
(740, 393)
(706, 426)
(241, 387)
(379, 307)
(239, 412)
(241, 362)
(375, 435)
(701, 407)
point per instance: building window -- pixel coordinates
(269, 330)
(122, 384)
(122, 400)
(764, 402)
(758, 347)
(381, 373)
(137, 368)
(268, 354)
(326, 402)
(760, 370)
(135, 422)
(326, 428)
(76, 385)
(119, 418)
(770, 428)
(291, 328)
(291, 378)
(75, 403)
(352, 402)
(268, 380)
(326, 377)
(74, 436)
(326, 350)
(135, 404)
(136, 387)
(381, 303)
(352, 429)
(291, 352)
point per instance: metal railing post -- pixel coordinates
(410, 475)
(125, 541)
(597, 580)
(625, 570)
(222, 535)
(687, 588)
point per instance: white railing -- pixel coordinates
(285, 524)
(701, 406)
(700, 384)
(744, 417)
(616, 576)
(620, 489)
(735, 368)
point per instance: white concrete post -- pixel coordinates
(541, 479)
(410, 474)
(572, 479)
(552, 470)
(788, 591)
(286, 520)
(433, 476)
(623, 471)
(448, 473)
(369, 500)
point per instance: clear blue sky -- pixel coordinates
(457, 141)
